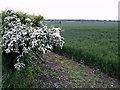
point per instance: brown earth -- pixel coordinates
(61, 72)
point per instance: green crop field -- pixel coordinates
(94, 43)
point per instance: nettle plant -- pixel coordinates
(22, 38)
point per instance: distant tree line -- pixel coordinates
(81, 20)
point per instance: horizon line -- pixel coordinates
(83, 19)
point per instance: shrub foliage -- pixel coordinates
(24, 33)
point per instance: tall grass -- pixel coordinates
(95, 44)
(24, 78)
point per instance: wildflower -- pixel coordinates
(111, 85)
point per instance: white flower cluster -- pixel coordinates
(19, 65)
(23, 38)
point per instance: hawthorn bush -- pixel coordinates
(22, 35)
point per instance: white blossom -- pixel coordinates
(7, 50)
(19, 65)
(17, 34)
(28, 20)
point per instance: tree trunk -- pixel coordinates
(39, 57)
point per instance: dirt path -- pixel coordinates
(60, 72)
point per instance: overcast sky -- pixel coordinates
(66, 9)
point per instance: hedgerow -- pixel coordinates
(22, 34)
